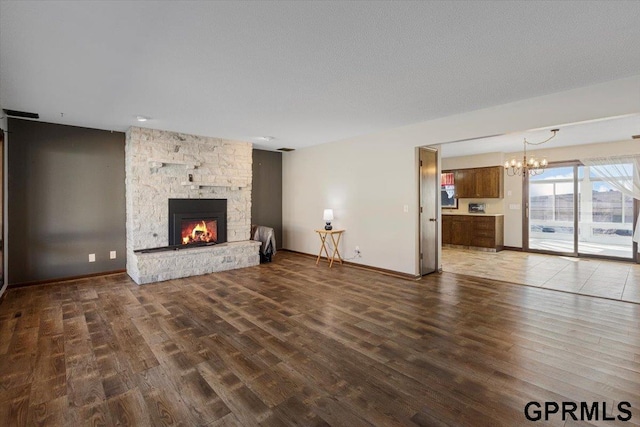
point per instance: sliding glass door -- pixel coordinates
(606, 215)
(552, 211)
(573, 212)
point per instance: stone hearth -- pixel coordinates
(163, 165)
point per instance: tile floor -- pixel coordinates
(599, 278)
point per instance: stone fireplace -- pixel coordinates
(176, 181)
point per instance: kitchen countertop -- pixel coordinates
(470, 214)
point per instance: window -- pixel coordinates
(447, 190)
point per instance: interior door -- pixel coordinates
(429, 195)
(2, 287)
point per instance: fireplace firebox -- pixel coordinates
(197, 221)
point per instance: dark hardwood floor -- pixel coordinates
(289, 343)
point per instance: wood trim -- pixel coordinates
(393, 273)
(63, 279)
(513, 248)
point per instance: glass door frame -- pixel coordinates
(525, 212)
(575, 164)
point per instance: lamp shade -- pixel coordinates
(328, 215)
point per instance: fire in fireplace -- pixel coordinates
(199, 232)
(197, 221)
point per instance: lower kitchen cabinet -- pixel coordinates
(481, 231)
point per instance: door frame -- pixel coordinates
(525, 211)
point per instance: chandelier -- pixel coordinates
(528, 166)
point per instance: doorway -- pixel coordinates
(429, 210)
(571, 211)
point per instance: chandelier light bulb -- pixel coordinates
(528, 166)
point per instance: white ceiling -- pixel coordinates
(304, 72)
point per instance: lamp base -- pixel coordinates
(328, 226)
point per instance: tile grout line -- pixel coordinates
(591, 275)
(625, 283)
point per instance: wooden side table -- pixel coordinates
(335, 256)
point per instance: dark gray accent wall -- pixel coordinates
(66, 200)
(266, 191)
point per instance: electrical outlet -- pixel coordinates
(92, 257)
(112, 255)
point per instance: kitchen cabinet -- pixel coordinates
(460, 230)
(479, 183)
(446, 228)
(480, 231)
(489, 182)
(464, 183)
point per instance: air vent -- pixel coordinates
(286, 149)
(635, 136)
(21, 114)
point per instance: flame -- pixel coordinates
(199, 229)
(198, 233)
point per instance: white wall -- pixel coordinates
(368, 179)
(367, 190)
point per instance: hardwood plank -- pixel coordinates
(14, 412)
(165, 409)
(95, 415)
(49, 414)
(129, 409)
(51, 389)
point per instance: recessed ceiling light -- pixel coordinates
(265, 138)
(142, 118)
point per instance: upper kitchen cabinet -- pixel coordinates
(480, 183)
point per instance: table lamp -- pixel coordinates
(328, 216)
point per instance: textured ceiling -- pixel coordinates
(304, 72)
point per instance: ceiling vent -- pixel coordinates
(21, 114)
(286, 149)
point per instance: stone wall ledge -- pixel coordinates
(172, 264)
